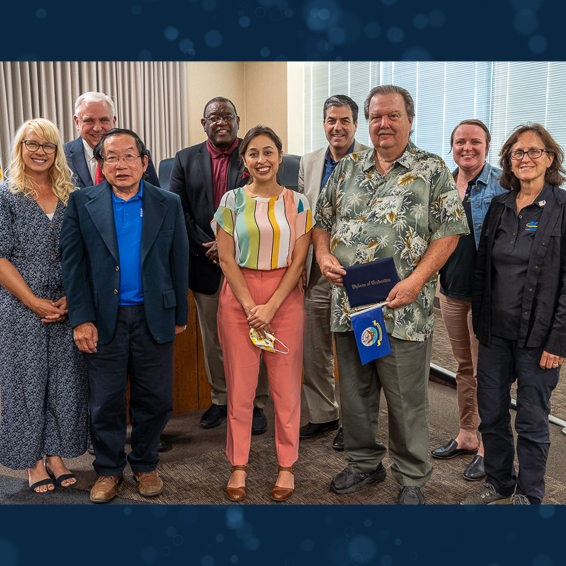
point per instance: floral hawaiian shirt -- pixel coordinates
(370, 216)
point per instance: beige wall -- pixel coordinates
(258, 89)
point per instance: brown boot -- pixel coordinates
(149, 483)
(105, 488)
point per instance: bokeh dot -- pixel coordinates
(372, 30)
(386, 560)
(244, 21)
(546, 511)
(136, 10)
(127, 510)
(336, 35)
(288, 13)
(364, 546)
(275, 15)
(159, 510)
(178, 540)
(251, 543)
(368, 523)
(213, 38)
(395, 34)
(219, 537)
(420, 21)
(9, 553)
(414, 556)
(543, 560)
(233, 559)
(185, 44)
(339, 58)
(170, 531)
(261, 12)
(41, 13)
(149, 555)
(307, 545)
(207, 560)
(265, 52)
(209, 5)
(436, 19)
(171, 33)
(165, 551)
(397, 541)
(349, 532)
(144, 55)
(537, 44)
(356, 559)
(525, 22)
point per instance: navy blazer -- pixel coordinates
(191, 179)
(75, 154)
(91, 264)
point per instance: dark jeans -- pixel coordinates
(132, 352)
(499, 365)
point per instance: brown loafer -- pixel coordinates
(281, 493)
(237, 493)
(105, 488)
(149, 483)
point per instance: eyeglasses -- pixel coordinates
(129, 158)
(534, 153)
(214, 119)
(33, 146)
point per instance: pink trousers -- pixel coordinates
(241, 365)
(457, 317)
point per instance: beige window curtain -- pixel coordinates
(150, 98)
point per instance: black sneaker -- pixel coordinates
(520, 499)
(259, 421)
(349, 482)
(412, 495)
(213, 416)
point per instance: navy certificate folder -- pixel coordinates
(368, 283)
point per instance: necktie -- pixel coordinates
(98, 176)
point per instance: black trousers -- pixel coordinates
(132, 352)
(499, 365)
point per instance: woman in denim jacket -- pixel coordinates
(478, 183)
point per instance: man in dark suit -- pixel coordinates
(125, 271)
(94, 115)
(201, 174)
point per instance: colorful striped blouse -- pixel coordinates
(264, 229)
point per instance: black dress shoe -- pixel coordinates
(412, 495)
(475, 471)
(310, 430)
(451, 450)
(164, 445)
(338, 442)
(349, 482)
(259, 421)
(213, 416)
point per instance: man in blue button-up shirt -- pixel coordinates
(125, 270)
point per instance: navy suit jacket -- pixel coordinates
(191, 179)
(75, 154)
(91, 263)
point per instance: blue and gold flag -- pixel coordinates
(369, 330)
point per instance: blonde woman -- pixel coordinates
(42, 376)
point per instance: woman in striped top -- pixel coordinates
(263, 239)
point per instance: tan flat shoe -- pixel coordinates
(281, 493)
(237, 493)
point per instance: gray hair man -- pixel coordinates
(393, 201)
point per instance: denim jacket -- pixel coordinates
(487, 186)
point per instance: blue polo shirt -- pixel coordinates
(330, 165)
(128, 215)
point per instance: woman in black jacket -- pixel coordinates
(519, 315)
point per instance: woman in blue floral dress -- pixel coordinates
(43, 382)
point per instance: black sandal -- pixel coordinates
(59, 481)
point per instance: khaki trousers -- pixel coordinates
(403, 376)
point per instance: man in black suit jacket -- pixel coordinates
(94, 115)
(201, 174)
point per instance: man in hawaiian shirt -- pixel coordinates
(393, 201)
